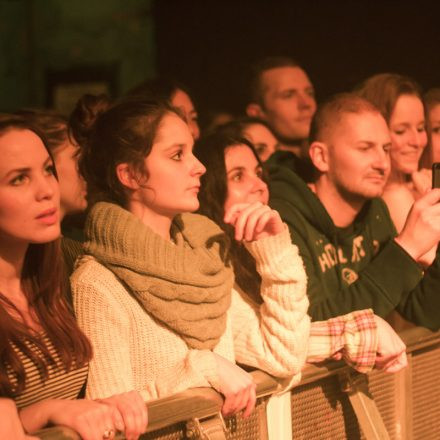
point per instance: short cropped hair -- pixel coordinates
(255, 91)
(330, 113)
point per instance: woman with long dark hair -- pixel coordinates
(44, 354)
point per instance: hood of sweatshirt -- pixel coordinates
(289, 190)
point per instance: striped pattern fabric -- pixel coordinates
(58, 385)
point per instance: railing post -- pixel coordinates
(212, 428)
(279, 417)
(369, 418)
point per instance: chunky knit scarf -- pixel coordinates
(185, 285)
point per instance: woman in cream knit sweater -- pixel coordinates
(155, 290)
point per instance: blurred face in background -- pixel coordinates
(434, 131)
(72, 185)
(182, 101)
(262, 138)
(288, 102)
(408, 134)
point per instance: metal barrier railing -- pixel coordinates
(331, 402)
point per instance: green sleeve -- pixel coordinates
(421, 305)
(380, 285)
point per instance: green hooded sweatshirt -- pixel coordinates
(357, 267)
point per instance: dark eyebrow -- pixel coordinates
(18, 170)
(174, 146)
(27, 169)
(235, 169)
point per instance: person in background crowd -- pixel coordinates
(42, 346)
(432, 103)
(282, 94)
(255, 131)
(175, 94)
(344, 232)
(399, 100)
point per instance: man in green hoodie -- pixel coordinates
(353, 257)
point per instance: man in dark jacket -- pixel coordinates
(353, 257)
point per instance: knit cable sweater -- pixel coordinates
(133, 351)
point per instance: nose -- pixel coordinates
(45, 187)
(381, 160)
(197, 168)
(259, 185)
(306, 101)
(418, 138)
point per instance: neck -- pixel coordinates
(299, 147)
(398, 178)
(158, 222)
(342, 210)
(11, 266)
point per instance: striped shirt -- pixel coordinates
(59, 384)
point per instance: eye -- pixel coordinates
(399, 132)
(436, 130)
(237, 177)
(19, 179)
(177, 156)
(288, 94)
(259, 173)
(311, 92)
(260, 148)
(421, 129)
(387, 148)
(50, 169)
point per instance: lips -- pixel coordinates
(49, 216)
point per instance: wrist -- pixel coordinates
(410, 249)
(36, 416)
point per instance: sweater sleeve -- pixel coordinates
(108, 324)
(352, 337)
(273, 336)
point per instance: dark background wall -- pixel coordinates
(47, 43)
(209, 44)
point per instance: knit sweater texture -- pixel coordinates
(357, 267)
(185, 283)
(133, 350)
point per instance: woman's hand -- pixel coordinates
(10, 426)
(391, 351)
(422, 181)
(253, 221)
(91, 420)
(237, 386)
(133, 410)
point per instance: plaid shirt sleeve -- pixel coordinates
(352, 337)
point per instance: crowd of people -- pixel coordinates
(141, 256)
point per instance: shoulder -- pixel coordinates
(90, 273)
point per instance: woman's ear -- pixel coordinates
(127, 176)
(318, 152)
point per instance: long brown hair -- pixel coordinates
(43, 283)
(210, 150)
